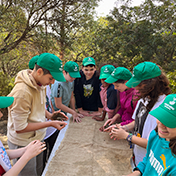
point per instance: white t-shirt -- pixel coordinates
(49, 130)
(144, 124)
(4, 159)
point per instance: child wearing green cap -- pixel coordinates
(62, 92)
(109, 95)
(118, 78)
(51, 132)
(161, 151)
(86, 89)
(152, 86)
(24, 154)
(26, 117)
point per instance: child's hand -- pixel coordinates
(77, 117)
(58, 124)
(84, 113)
(118, 133)
(95, 113)
(107, 124)
(135, 173)
(33, 149)
(98, 118)
(110, 121)
(108, 128)
(58, 114)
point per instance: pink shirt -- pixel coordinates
(127, 105)
(104, 100)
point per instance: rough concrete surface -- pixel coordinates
(85, 151)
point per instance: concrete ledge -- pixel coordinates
(57, 144)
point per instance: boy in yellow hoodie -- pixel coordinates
(26, 117)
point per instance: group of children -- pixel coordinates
(132, 103)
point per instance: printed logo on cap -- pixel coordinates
(106, 70)
(61, 69)
(89, 59)
(171, 103)
(76, 68)
(113, 73)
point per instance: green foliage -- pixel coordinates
(67, 20)
(145, 33)
(67, 28)
(6, 84)
(172, 79)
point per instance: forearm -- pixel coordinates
(35, 126)
(100, 109)
(18, 166)
(117, 116)
(104, 115)
(66, 109)
(142, 142)
(15, 153)
(72, 103)
(130, 126)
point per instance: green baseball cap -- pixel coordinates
(6, 101)
(33, 61)
(53, 64)
(72, 68)
(119, 73)
(106, 71)
(143, 71)
(88, 61)
(166, 112)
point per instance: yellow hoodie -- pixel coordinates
(28, 107)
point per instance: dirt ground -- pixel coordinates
(86, 151)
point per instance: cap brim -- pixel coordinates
(58, 76)
(133, 82)
(104, 76)
(75, 74)
(6, 101)
(89, 63)
(110, 80)
(164, 117)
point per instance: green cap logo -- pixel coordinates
(166, 112)
(88, 61)
(72, 68)
(106, 71)
(121, 73)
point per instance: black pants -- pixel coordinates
(49, 144)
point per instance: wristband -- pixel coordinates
(129, 137)
(126, 128)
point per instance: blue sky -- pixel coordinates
(106, 5)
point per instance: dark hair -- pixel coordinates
(45, 71)
(89, 65)
(153, 88)
(120, 81)
(92, 65)
(172, 144)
